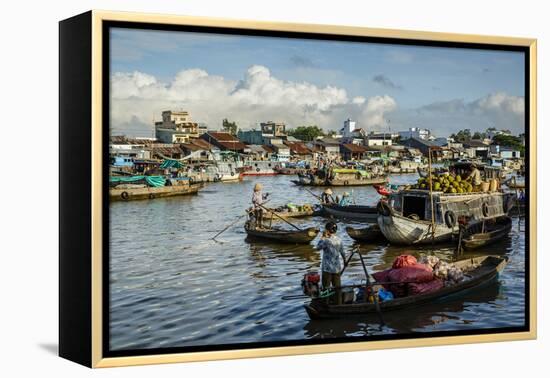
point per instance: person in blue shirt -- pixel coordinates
(345, 199)
(332, 259)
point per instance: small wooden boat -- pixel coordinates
(284, 236)
(478, 271)
(367, 234)
(486, 231)
(353, 212)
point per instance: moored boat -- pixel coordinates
(141, 192)
(352, 212)
(486, 231)
(367, 234)
(284, 236)
(478, 271)
(259, 168)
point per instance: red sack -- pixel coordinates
(403, 261)
(381, 276)
(414, 273)
(425, 287)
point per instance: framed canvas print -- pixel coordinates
(234, 189)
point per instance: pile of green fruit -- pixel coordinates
(445, 183)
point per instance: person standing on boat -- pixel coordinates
(332, 259)
(257, 200)
(326, 197)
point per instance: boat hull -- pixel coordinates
(367, 234)
(494, 233)
(281, 236)
(484, 270)
(152, 193)
(362, 213)
(405, 231)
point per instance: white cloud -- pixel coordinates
(373, 114)
(138, 97)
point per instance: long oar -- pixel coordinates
(280, 217)
(236, 220)
(313, 194)
(226, 228)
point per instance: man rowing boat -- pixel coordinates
(257, 200)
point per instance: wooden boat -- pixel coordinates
(478, 271)
(353, 212)
(142, 193)
(342, 177)
(367, 234)
(486, 231)
(406, 217)
(284, 236)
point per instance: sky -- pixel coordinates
(383, 87)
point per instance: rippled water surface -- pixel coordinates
(172, 286)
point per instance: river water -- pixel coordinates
(172, 286)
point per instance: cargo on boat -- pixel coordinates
(486, 231)
(478, 271)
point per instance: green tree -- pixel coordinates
(462, 136)
(230, 127)
(478, 135)
(306, 133)
(509, 141)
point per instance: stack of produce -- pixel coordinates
(445, 183)
(448, 273)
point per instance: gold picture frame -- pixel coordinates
(90, 331)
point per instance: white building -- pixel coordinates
(415, 132)
(348, 129)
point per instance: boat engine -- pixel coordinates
(310, 284)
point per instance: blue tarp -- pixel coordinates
(154, 181)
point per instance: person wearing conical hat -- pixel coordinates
(326, 197)
(257, 200)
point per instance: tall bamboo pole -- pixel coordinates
(431, 192)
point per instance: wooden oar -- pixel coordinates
(280, 217)
(238, 219)
(313, 194)
(226, 228)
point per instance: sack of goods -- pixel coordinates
(409, 276)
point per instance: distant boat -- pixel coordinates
(259, 168)
(149, 187)
(341, 177)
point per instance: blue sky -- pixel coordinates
(411, 79)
